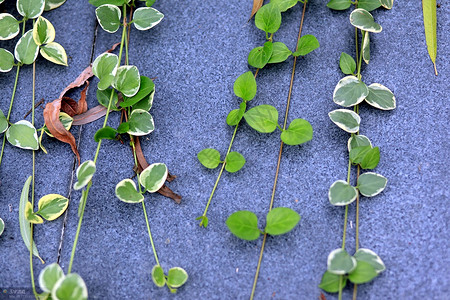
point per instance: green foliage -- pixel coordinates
(105, 133)
(299, 131)
(30, 9)
(362, 19)
(153, 177)
(108, 16)
(366, 156)
(70, 287)
(112, 2)
(281, 220)
(371, 184)
(307, 44)
(380, 97)
(52, 4)
(22, 134)
(146, 87)
(103, 97)
(52, 206)
(234, 162)
(55, 53)
(2, 226)
(127, 80)
(268, 18)
(235, 116)
(176, 277)
(341, 193)
(158, 277)
(244, 225)
(339, 262)
(345, 119)
(262, 118)
(140, 123)
(3, 122)
(347, 64)
(84, 174)
(105, 68)
(260, 56)
(387, 3)
(363, 273)
(358, 140)
(339, 4)
(49, 276)
(330, 282)
(369, 5)
(9, 27)
(366, 47)
(280, 53)
(350, 91)
(26, 50)
(43, 31)
(145, 18)
(210, 158)
(126, 192)
(370, 257)
(284, 5)
(6, 60)
(245, 86)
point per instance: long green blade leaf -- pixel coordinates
(25, 229)
(430, 23)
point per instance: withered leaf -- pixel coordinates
(91, 115)
(256, 6)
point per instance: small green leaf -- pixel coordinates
(330, 282)
(103, 97)
(347, 64)
(341, 193)
(203, 221)
(6, 60)
(71, 287)
(158, 277)
(154, 177)
(98, 3)
(363, 273)
(26, 50)
(3, 122)
(381, 97)
(387, 3)
(141, 123)
(234, 162)
(371, 159)
(307, 44)
(209, 158)
(49, 276)
(280, 52)
(345, 119)
(371, 184)
(357, 154)
(51, 206)
(268, 18)
(108, 17)
(23, 135)
(66, 121)
(146, 87)
(245, 86)
(366, 47)
(126, 192)
(260, 56)
(339, 4)
(30, 9)
(55, 53)
(145, 18)
(123, 128)
(284, 5)
(127, 80)
(43, 31)
(299, 131)
(84, 174)
(235, 116)
(105, 133)
(146, 103)
(52, 4)
(362, 19)
(358, 140)
(281, 220)
(31, 216)
(244, 225)
(262, 118)
(371, 258)
(369, 5)
(149, 3)
(339, 262)
(9, 27)
(350, 91)
(2, 226)
(176, 277)
(105, 68)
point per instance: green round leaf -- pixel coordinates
(31, 216)
(358, 140)
(369, 5)
(350, 91)
(235, 116)
(105, 133)
(371, 159)
(281, 220)
(370, 257)
(341, 193)
(65, 119)
(6, 60)
(244, 225)
(260, 56)
(245, 86)
(357, 154)
(284, 5)
(43, 31)
(307, 44)
(103, 97)
(268, 18)
(339, 4)
(55, 53)
(71, 287)
(234, 162)
(145, 18)
(126, 192)
(380, 97)
(123, 128)
(108, 17)
(105, 68)
(146, 87)
(49, 276)
(2, 226)
(158, 277)
(23, 135)
(262, 118)
(299, 131)
(52, 4)
(209, 158)
(280, 53)
(141, 123)
(363, 273)
(330, 282)
(176, 277)
(387, 3)
(345, 119)
(371, 184)
(26, 50)
(339, 262)
(347, 63)
(3, 122)
(84, 174)
(30, 9)
(362, 19)
(9, 27)
(51, 206)
(127, 80)
(154, 177)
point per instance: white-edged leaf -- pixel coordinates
(366, 47)
(6, 60)
(176, 277)
(105, 68)
(52, 4)
(141, 122)
(153, 177)
(381, 97)
(158, 277)
(3, 122)
(65, 119)
(30, 9)
(370, 257)
(345, 119)
(55, 53)
(51, 206)
(341, 193)
(31, 216)
(127, 80)
(49, 276)
(371, 184)
(362, 19)
(108, 17)
(2, 226)
(126, 192)
(9, 27)
(358, 140)
(339, 262)
(70, 287)
(84, 174)
(22, 134)
(387, 3)
(43, 31)
(350, 91)
(26, 50)
(145, 18)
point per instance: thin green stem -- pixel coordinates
(150, 234)
(360, 56)
(345, 227)
(86, 192)
(340, 287)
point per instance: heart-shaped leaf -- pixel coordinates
(55, 53)
(341, 193)
(105, 68)
(307, 44)
(268, 18)
(357, 154)
(381, 97)
(280, 53)
(52, 206)
(146, 87)
(84, 174)
(350, 91)
(369, 5)
(358, 140)
(281, 220)
(209, 158)
(235, 116)
(371, 184)
(260, 56)
(299, 131)
(70, 287)
(127, 80)
(364, 272)
(105, 133)
(22, 134)
(345, 119)
(30, 9)
(176, 277)
(330, 282)
(31, 216)
(339, 262)
(347, 63)
(52, 4)
(234, 162)
(145, 18)
(370, 257)
(43, 31)
(141, 123)
(49, 276)
(9, 27)
(158, 277)
(108, 17)
(262, 118)
(284, 5)
(244, 225)
(126, 192)
(103, 97)
(245, 86)
(146, 103)
(26, 50)
(371, 159)
(153, 177)
(6, 60)
(339, 4)
(362, 19)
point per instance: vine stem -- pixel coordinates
(221, 170)
(258, 267)
(86, 192)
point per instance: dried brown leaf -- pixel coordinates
(256, 6)
(91, 115)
